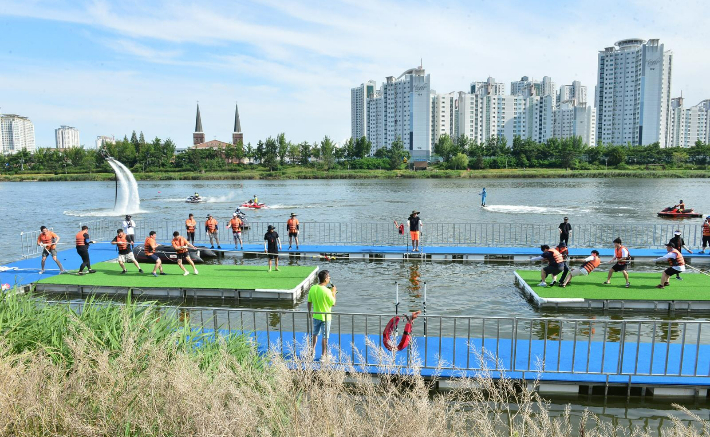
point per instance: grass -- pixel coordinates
(210, 276)
(694, 286)
(113, 370)
(313, 173)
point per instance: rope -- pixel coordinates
(697, 270)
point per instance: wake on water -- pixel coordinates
(523, 209)
(101, 213)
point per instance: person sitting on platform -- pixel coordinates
(590, 263)
(555, 263)
(621, 256)
(676, 261)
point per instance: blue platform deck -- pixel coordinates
(587, 363)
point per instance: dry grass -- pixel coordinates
(158, 387)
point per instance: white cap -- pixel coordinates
(234, 214)
(676, 233)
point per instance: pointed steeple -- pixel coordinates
(198, 120)
(237, 123)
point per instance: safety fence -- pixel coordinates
(387, 234)
(513, 344)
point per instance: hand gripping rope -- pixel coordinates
(389, 334)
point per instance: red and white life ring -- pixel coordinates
(388, 334)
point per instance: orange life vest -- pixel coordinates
(49, 238)
(211, 224)
(121, 242)
(80, 237)
(178, 243)
(292, 224)
(149, 246)
(591, 265)
(556, 255)
(706, 229)
(618, 255)
(678, 261)
(562, 250)
(236, 224)
(190, 225)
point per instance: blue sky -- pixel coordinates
(108, 68)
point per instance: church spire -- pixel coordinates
(198, 120)
(198, 137)
(237, 123)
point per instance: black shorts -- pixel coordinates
(706, 240)
(552, 269)
(670, 271)
(154, 257)
(619, 267)
(183, 256)
(273, 255)
(293, 234)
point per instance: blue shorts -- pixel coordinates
(154, 257)
(320, 325)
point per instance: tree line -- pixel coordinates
(275, 153)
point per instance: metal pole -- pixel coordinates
(425, 325)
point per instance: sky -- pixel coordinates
(108, 68)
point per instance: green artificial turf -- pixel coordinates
(210, 277)
(694, 286)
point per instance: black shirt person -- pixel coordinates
(272, 244)
(565, 230)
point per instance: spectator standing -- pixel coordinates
(565, 231)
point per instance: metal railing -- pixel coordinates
(434, 234)
(517, 344)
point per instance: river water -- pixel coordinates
(454, 288)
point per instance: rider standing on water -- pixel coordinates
(483, 196)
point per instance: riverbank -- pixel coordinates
(311, 173)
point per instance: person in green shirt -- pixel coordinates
(321, 298)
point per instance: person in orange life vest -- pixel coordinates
(82, 248)
(555, 263)
(181, 244)
(415, 228)
(679, 244)
(149, 247)
(190, 225)
(236, 224)
(706, 233)
(124, 251)
(621, 256)
(562, 249)
(676, 261)
(48, 240)
(293, 228)
(590, 263)
(212, 231)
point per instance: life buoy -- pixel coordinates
(388, 334)
(401, 229)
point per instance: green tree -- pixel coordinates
(293, 153)
(361, 148)
(327, 152)
(271, 151)
(616, 155)
(460, 161)
(305, 153)
(283, 147)
(259, 152)
(445, 148)
(396, 154)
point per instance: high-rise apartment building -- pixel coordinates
(539, 117)
(358, 108)
(104, 139)
(576, 92)
(488, 88)
(633, 93)
(689, 125)
(66, 137)
(402, 111)
(526, 87)
(575, 120)
(16, 133)
(443, 116)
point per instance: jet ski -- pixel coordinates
(194, 199)
(165, 253)
(253, 205)
(673, 212)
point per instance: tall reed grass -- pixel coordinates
(112, 370)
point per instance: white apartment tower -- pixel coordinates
(66, 137)
(526, 87)
(689, 125)
(575, 92)
(539, 117)
(488, 88)
(633, 93)
(358, 108)
(575, 120)
(104, 139)
(443, 116)
(402, 110)
(16, 133)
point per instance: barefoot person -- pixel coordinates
(555, 263)
(48, 240)
(236, 224)
(621, 256)
(321, 299)
(678, 242)
(272, 245)
(181, 245)
(212, 229)
(190, 225)
(293, 228)
(149, 247)
(415, 229)
(590, 263)
(676, 261)
(125, 254)
(82, 248)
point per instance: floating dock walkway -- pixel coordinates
(589, 292)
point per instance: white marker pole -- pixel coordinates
(425, 327)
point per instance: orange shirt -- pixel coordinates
(178, 243)
(49, 238)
